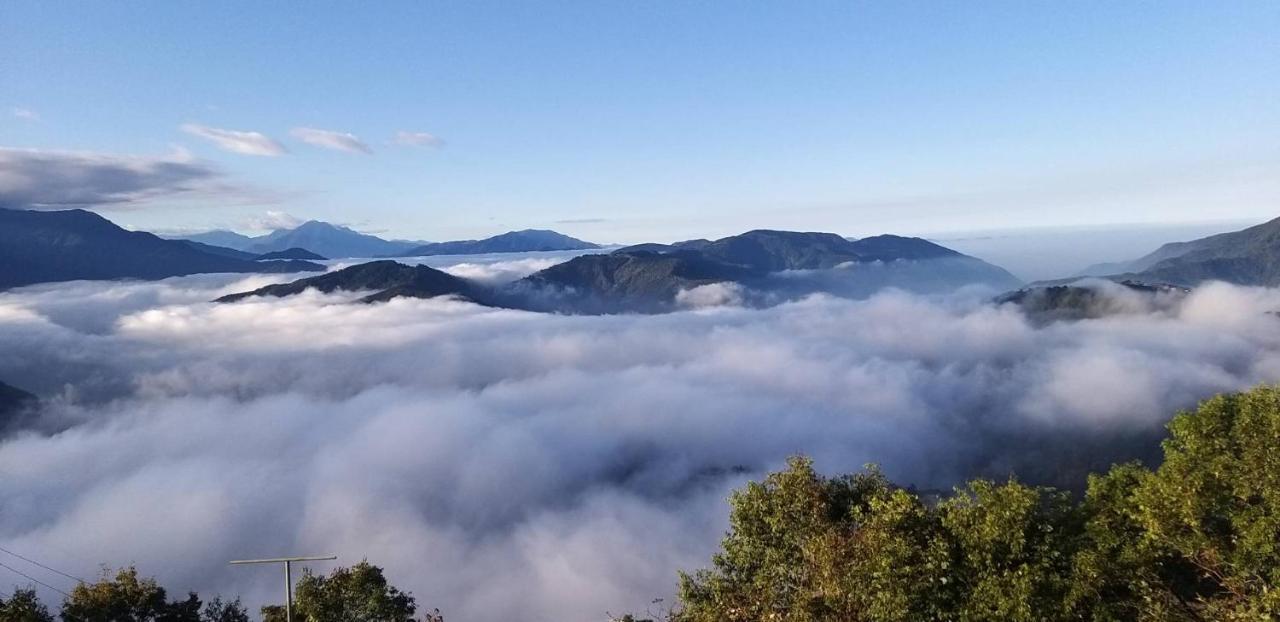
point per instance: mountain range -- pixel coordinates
(318, 237)
(650, 278)
(334, 241)
(41, 247)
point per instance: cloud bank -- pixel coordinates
(235, 141)
(329, 139)
(52, 180)
(510, 465)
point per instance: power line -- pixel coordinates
(31, 578)
(32, 561)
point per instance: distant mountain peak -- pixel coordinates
(525, 240)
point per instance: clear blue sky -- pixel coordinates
(625, 121)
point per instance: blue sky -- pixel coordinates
(646, 120)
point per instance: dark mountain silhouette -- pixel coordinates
(40, 247)
(385, 279)
(512, 242)
(291, 253)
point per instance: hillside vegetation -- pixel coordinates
(1196, 539)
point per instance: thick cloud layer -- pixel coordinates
(511, 465)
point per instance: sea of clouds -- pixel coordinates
(508, 465)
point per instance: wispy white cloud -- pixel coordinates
(26, 114)
(329, 139)
(418, 139)
(236, 141)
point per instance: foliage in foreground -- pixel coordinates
(357, 594)
(1196, 539)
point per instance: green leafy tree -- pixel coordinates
(126, 597)
(356, 594)
(24, 606)
(1013, 546)
(218, 610)
(1214, 506)
(1196, 539)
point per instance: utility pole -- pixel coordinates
(288, 576)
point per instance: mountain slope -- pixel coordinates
(772, 251)
(1253, 241)
(1247, 257)
(512, 242)
(635, 281)
(387, 279)
(897, 248)
(40, 247)
(327, 240)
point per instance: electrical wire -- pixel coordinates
(32, 561)
(31, 578)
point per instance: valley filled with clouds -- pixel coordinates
(506, 464)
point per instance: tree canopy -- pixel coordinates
(357, 594)
(24, 606)
(1196, 539)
